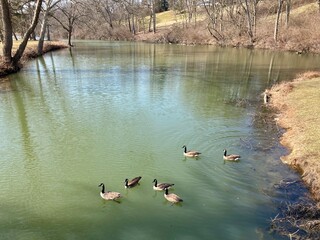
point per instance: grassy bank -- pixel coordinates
(30, 52)
(298, 106)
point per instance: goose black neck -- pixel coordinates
(102, 188)
(225, 153)
(185, 149)
(166, 191)
(155, 182)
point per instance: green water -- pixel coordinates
(103, 112)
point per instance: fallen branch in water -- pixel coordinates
(297, 221)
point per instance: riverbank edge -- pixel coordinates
(297, 114)
(31, 53)
(179, 36)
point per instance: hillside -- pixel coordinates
(301, 35)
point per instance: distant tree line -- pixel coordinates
(122, 19)
(94, 18)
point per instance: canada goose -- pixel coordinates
(161, 186)
(190, 153)
(171, 197)
(231, 157)
(108, 195)
(133, 182)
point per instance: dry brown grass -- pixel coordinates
(177, 34)
(298, 104)
(301, 35)
(32, 46)
(29, 53)
(308, 75)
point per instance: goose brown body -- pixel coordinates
(230, 157)
(108, 195)
(133, 182)
(171, 197)
(161, 186)
(191, 153)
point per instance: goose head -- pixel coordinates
(185, 148)
(126, 185)
(155, 182)
(102, 185)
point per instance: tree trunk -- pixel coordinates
(129, 23)
(15, 36)
(133, 25)
(48, 32)
(150, 21)
(7, 35)
(276, 27)
(154, 16)
(288, 9)
(69, 37)
(255, 7)
(249, 21)
(23, 44)
(43, 32)
(70, 30)
(33, 36)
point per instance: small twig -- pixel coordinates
(275, 218)
(291, 234)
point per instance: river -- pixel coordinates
(102, 112)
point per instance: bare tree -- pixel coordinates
(50, 4)
(21, 16)
(70, 14)
(288, 9)
(154, 19)
(105, 9)
(250, 9)
(191, 10)
(22, 46)
(7, 35)
(7, 26)
(276, 27)
(249, 20)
